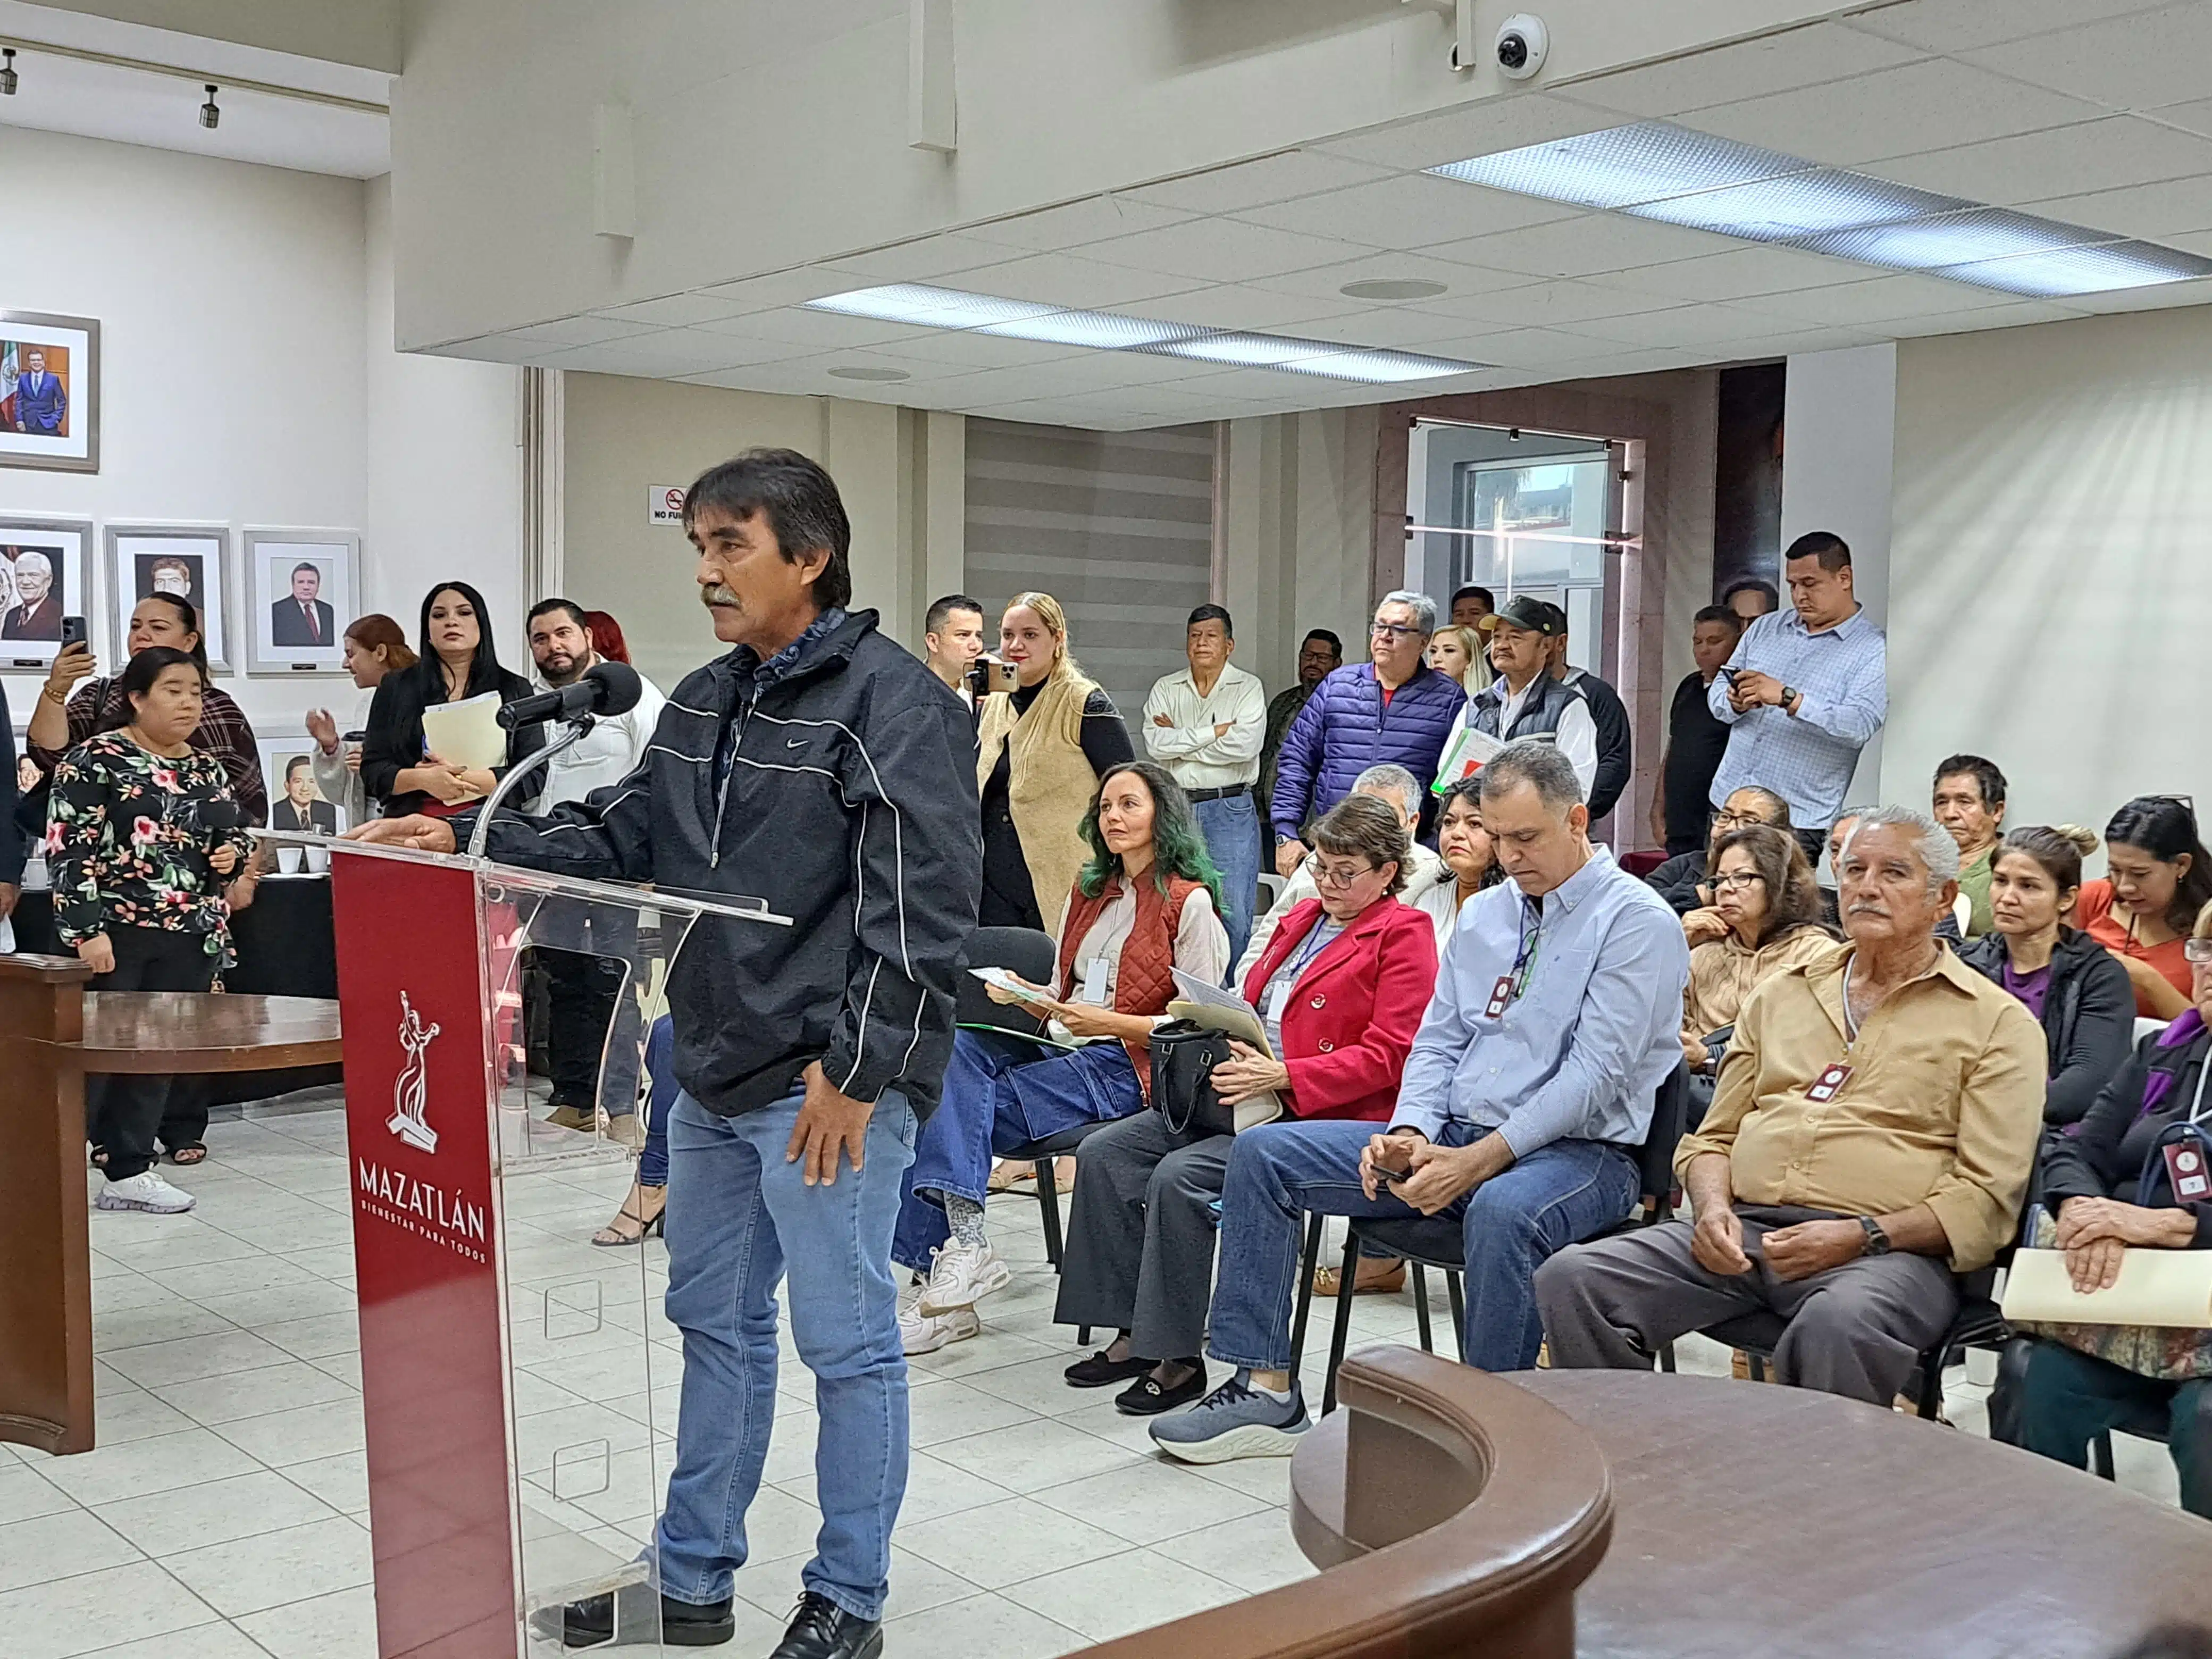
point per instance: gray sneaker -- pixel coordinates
(1233, 1422)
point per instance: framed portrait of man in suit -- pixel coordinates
(49, 391)
(296, 801)
(44, 575)
(303, 588)
(188, 561)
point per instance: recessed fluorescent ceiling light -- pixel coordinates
(1655, 170)
(943, 307)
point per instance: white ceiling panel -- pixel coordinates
(1749, 68)
(782, 287)
(924, 260)
(1233, 305)
(673, 310)
(974, 350)
(667, 352)
(1219, 250)
(1481, 126)
(1526, 347)
(1547, 305)
(816, 331)
(1901, 112)
(1736, 275)
(1407, 328)
(2120, 150)
(1093, 219)
(578, 331)
(1684, 325)
(2164, 297)
(489, 348)
(1255, 184)
(2138, 61)
(1590, 245)
(1877, 299)
(1408, 210)
(2190, 118)
(1070, 279)
(1458, 276)
(2151, 211)
(1948, 26)
(2013, 314)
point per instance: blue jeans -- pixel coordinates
(999, 1095)
(739, 1219)
(1510, 1224)
(660, 1066)
(1231, 829)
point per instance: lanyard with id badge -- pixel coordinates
(1837, 1073)
(1512, 985)
(1318, 938)
(2186, 1150)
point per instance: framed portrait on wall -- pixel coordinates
(303, 588)
(295, 802)
(44, 576)
(189, 561)
(49, 391)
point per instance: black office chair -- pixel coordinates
(1025, 952)
(1439, 1242)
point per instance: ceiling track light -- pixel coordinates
(8, 78)
(210, 116)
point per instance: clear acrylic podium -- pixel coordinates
(518, 1384)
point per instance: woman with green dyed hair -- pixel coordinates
(1146, 904)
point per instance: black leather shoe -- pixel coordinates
(1100, 1371)
(823, 1629)
(590, 1623)
(1146, 1397)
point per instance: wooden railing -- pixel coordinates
(1455, 1514)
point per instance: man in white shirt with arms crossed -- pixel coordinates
(1206, 726)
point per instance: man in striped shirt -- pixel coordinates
(1806, 689)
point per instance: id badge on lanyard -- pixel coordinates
(2186, 1150)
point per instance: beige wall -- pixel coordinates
(2048, 584)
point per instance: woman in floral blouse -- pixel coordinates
(138, 859)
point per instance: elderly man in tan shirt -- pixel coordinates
(1871, 1138)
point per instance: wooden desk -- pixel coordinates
(52, 1033)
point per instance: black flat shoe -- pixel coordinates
(590, 1623)
(820, 1629)
(1100, 1372)
(1146, 1397)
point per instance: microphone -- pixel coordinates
(606, 688)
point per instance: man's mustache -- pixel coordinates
(716, 594)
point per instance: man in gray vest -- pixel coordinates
(1524, 701)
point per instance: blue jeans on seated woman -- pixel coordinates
(999, 1094)
(1510, 1226)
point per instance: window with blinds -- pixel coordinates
(1118, 526)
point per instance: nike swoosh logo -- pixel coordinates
(794, 742)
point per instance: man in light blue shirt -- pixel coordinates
(1557, 1015)
(1807, 689)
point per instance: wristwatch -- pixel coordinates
(1788, 696)
(1877, 1242)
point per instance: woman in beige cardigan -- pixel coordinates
(1041, 749)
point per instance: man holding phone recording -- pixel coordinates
(1527, 1091)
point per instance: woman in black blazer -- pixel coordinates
(458, 662)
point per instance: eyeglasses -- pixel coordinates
(1725, 820)
(1336, 875)
(1741, 878)
(2198, 952)
(1395, 631)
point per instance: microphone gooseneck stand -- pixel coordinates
(572, 733)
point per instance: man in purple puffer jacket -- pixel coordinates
(1395, 709)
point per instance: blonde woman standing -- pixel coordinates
(1042, 749)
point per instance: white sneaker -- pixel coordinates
(921, 1333)
(145, 1191)
(963, 1275)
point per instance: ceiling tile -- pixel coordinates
(1068, 279)
(1480, 126)
(1705, 325)
(1527, 348)
(1254, 184)
(973, 350)
(2163, 296)
(2120, 150)
(671, 310)
(491, 348)
(1093, 219)
(2192, 117)
(1405, 328)
(921, 261)
(1877, 299)
(1408, 210)
(1458, 276)
(670, 352)
(1549, 304)
(578, 331)
(780, 288)
(1737, 274)
(1590, 245)
(798, 376)
(1899, 111)
(1749, 68)
(2154, 211)
(2013, 313)
(816, 331)
(1219, 250)
(2138, 61)
(1232, 304)
(1948, 25)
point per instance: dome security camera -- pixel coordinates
(1522, 42)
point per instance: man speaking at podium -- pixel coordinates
(820, 767)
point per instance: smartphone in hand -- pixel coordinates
(1393, 1161)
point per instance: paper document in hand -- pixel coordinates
(999, 978)
(1193, 989)
(2169, 1289)
(467, 733)
(1468, 753)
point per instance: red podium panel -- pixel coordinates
(418, 1072)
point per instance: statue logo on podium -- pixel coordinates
(408, 1093)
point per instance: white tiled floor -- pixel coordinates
(225, 1514)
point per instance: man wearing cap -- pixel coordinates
(1524, 701)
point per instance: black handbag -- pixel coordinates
(1184, 1055)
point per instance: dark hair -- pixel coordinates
(309, 566)
(1361, 827)
(1469, 789)
(1178, 844)
(1989, 780)
(1473, 590)
(1775, 804)
(2058, 851)
(1830, 549)
(1765, 589)
(1793, 896)
(607, 636)
(940, 611)
(1334, 643)
(139, 674)
(484, 668)
(188, 614)
(1719, 613)
(1210, 613)
(800, 503)
(377, 630)
(544, 607)
(2166, 828)
(294, 765)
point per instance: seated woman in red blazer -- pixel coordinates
(1341, 990)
